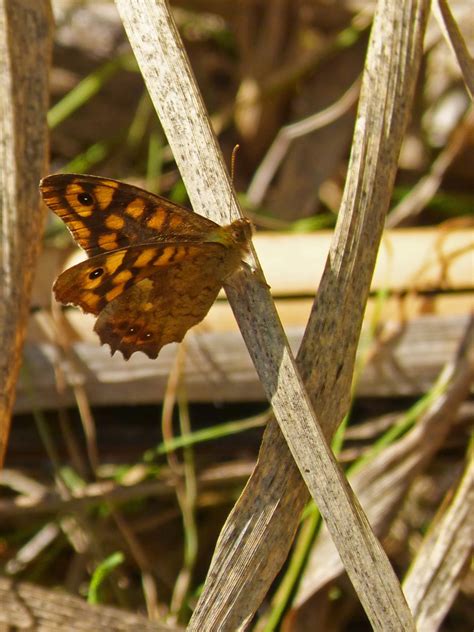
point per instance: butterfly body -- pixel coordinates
(154, 268)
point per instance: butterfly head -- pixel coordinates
(241, 230)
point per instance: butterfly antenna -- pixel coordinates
(232, 172)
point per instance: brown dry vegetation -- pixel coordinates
(96, 468)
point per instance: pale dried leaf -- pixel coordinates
(433, 580)
(454, 36)
(381, 484)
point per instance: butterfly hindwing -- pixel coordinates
(148, 295)
(168, 304)
(97, 281)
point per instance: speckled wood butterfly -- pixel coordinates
(154, 268)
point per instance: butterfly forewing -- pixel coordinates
(105, 214)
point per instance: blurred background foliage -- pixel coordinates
(281, 80)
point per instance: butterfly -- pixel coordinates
(154, 268)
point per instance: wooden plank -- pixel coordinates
(406, 359)
(218, 366)
(421, 259)
(293, 312)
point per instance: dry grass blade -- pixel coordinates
(433, 580)
(278, 149)
(150, 591)
(454, 37)
(172, 88)
(33, 548)
(25, 47)
(259, 531)
(28, 607)
(381, 484)
(424, 190)
(40, 500)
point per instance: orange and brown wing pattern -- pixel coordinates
(100, 280)
(167, 301)
(159, 309)
(154, 268)
(105, 215)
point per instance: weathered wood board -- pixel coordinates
(428, 276)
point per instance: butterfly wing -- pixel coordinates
(165, 309)
(148, 295)
(105, 215)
